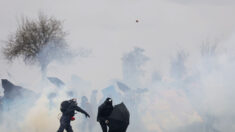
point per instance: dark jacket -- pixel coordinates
(104, 110)
(68, 108)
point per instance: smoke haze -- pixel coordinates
(176, 64)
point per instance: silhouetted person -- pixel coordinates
(68, 108)
(104, 111)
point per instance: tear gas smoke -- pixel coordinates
(193, 96)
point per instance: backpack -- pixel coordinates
(64, 105)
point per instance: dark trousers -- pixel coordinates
(65, 124)
(119, 130)
(103, 126)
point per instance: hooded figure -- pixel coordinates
(104, 111)
(68, 108)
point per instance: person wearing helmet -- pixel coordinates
(104, 111)
(68, 108)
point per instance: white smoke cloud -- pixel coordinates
(201, 97)
(192, 91)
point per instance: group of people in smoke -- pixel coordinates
(69, 107)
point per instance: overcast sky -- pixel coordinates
(108, 28)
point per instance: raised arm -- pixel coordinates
(73, 107)
(77, 108)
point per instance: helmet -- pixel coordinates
(74, 100)
(109, 100)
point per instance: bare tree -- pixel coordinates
(38, 41)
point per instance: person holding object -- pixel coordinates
(68, 108)
(104, 111)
